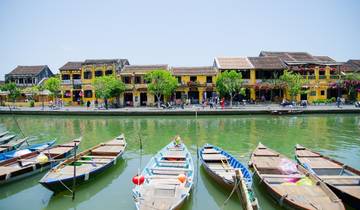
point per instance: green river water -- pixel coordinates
(337, 136)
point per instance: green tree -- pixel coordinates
(161, 82)
(230, 83)
(14, 91)
(53, 84)
(107, 87)
(294, 82)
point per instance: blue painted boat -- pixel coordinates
(222, 167)
(35, 162)
(168, 179)
(12, 145)
(26, 150)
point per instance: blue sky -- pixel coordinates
(179, 33)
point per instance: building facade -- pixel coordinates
(27, 76)
(77, 77)
(197, 84)
(136, 93)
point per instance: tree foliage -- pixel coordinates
(108, 86)
(352, 83)
(161, 82)
(294, 82)
(230, 83)
(53, 84)
(14, 91)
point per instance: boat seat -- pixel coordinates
(91, 161)
(282, 175)
(210, 157)
(170, 169)
(171, 161)
(99, 157)
(339, 177)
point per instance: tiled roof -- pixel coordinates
(324, 58)
(143, 69)
(268, 62)
(30, 70)
(299, 58)
(351, 66)
(105, 61)
(233, 63)
(198, 70)
(71, 65)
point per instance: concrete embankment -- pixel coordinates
(187, 112)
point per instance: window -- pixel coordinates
(137, 80)
(88, 94)
(193, 78)
(108, 72)
(321, 72)
(98, 73)
(67, 94)
(179, 80)
(127, 80)
(21, 80)
(87, 75)
(209, 79)
(29, 81)
(322, 92)
(76, 76)
(65, 77)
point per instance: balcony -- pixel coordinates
(129, 86)
(141, 86)
(193, 83)
(66, 82)
(311, 77)
(334, 77)
(77, 81)
(322, 76)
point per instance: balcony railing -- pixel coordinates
(193, 83)
(322, 77)
(77, 81)
(311, 76)
(334, 76)
(65, 82)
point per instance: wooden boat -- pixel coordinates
(286, 112)
(26, 165)
(291, 185)
(26, 150)
(12, 145)
(88, 164)
(168, 179)
(6, 139)
(3, 133)
(342, 179)
(221, 166)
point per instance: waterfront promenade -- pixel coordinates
(189, 110)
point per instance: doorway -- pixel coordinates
(128, 99)
(143, 99)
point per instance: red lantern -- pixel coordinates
(182, 178)
(138, 180)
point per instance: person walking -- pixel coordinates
(88, 103)
(222, 103)
(338, 101)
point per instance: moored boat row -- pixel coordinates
(317, 182)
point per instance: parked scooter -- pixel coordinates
(167, 105)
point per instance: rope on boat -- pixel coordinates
(236, 185)
(17, 124)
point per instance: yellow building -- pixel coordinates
(243, 66)
(195, 83)
(261, 74)
(70, 75)
(136, 93)
(77, 77)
